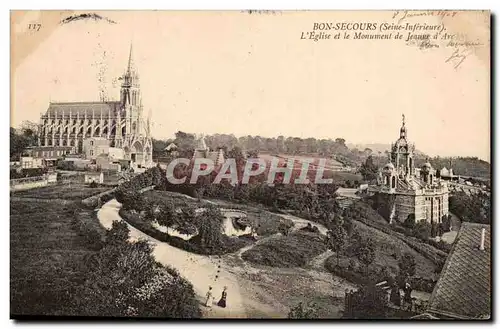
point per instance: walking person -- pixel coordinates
(210, 298)
(222, 301)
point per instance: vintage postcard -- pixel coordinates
(250, 164)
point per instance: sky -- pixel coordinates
(251, 74)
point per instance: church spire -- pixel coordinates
(402, 132)
(130, 66)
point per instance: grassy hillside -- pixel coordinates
(296, 249)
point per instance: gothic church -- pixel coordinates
(121, 122)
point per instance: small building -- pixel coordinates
(172, 149)
(363, 188)
(463, 290)
(31, 162)
(203, 151)
(94, 177)
(105, 162)
(95, 146)
(116, 153)
(49, 152)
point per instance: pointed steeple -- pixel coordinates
(402, 132)
(130, 66)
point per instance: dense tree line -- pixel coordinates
(252, 145)
(475, 208)
(466, 166)
(20, 139)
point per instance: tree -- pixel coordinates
(395, 295)
(369, 302)
(118, 233)
(283, 228)
(301, 311)
(156, 175)
(446, 223)
(366, 253)
(409, 221)
(369, 170)
(209, 224)
(337, 238)
(18, 142)
(167, 215)
(407, 265)
(422, 230)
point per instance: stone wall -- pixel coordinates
(32, 182)
(405, 205)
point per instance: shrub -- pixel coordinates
(89, 231)
(124, 279)
(301, 311)
(422, 284)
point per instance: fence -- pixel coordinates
(32, 182)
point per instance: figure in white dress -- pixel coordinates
(210, 298)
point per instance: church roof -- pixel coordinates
(464, 287)
(81, 108)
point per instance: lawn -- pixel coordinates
(294, 250)
(45, 252)
(76, 191)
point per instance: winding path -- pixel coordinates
(200, 270)
(204, 271)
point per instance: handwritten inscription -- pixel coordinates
(401, 16)
(430, 33)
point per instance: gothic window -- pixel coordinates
(74, 121)
(72, 142)
(98, 131)
(134, 127)
(73, 130)
(431, 179)
(105, 131)
(82, 121)
(91, 143)
(393, 181)
(64, 142)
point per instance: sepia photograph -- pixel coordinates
(250, 164)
